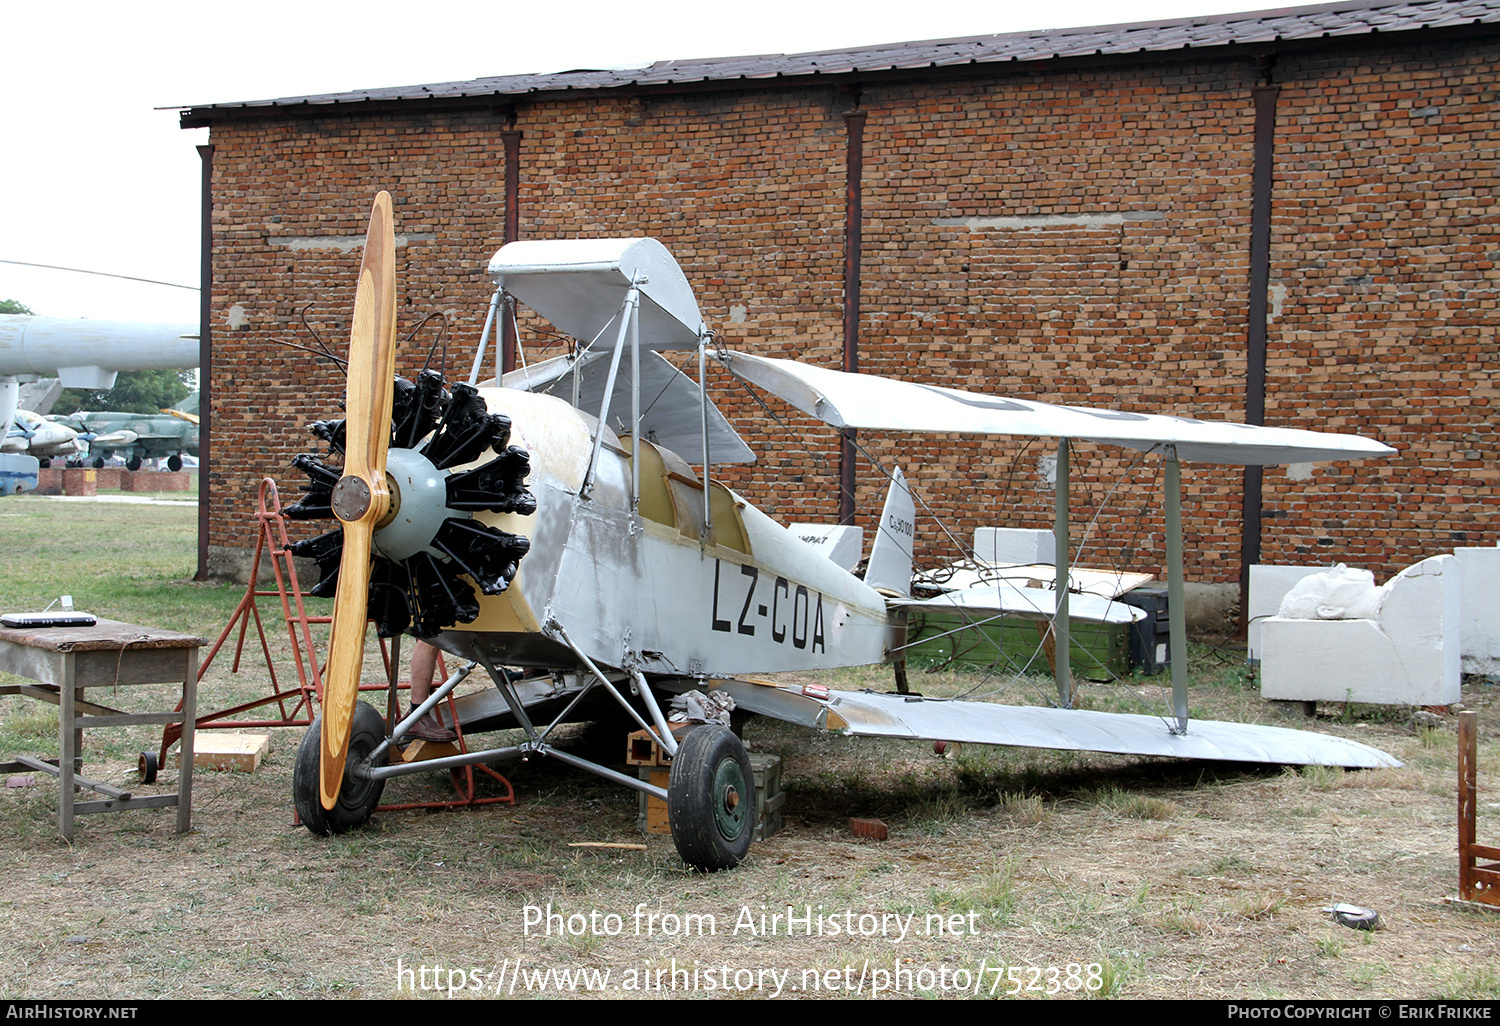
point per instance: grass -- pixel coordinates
(121, 562)
(1136, 806)
(1161, 879)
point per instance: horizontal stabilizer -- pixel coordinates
(863, 401)
(1031, 603)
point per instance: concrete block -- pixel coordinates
(1479, 609)
(1408, 655)
(1268, 586)
(842, 543)
(1014, 545)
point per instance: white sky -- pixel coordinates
(95, 177)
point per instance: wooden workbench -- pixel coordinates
(65, 661)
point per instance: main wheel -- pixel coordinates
(174, 463)
(134, 463)
(711, 799)
(358, 796)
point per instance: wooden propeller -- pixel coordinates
(361, 497)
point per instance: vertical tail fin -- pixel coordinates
(889, 568)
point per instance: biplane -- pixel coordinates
(568, 523)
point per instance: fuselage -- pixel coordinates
(686, 580)
(40, 437)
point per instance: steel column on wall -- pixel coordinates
(205, 351)
(853, 219)
(1255, 349)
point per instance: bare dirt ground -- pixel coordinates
(1005, 870)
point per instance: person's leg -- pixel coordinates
(423, 667)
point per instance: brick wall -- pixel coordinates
(1063, 233)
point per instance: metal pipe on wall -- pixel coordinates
(205, 353)
(511, 140)
(854, 122)
(1255, 343)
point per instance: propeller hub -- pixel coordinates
(350, 499)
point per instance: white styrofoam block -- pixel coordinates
(1021, 545)
(1268, 586)
(1479, 609)
(1408, 656)
(842, 543)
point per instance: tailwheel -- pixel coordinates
(357, 795)
(711, 799)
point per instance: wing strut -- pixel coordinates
(1176, 604)
(1176, 608)
(1062, 655)
(627, 318)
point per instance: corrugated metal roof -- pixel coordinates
(1360, 17)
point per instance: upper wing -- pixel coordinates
(580, 284)
(885, 404)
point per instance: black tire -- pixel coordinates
(357, 797)
(44, 463)
(98, 462)
(711, 799)
(134, 463)
(174, 463)
(146, 766)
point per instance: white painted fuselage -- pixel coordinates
(646, 584)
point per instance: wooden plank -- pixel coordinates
(127, 719)
(78, 781)
(241, 752)
(105, 635)
(156, 801)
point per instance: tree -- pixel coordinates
(134, 392)
(11, 306)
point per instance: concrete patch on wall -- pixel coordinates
(341, 243)
(1046, 469)
(1050, 221)
(1278, 299)
(231, 563)
(1211, 610)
